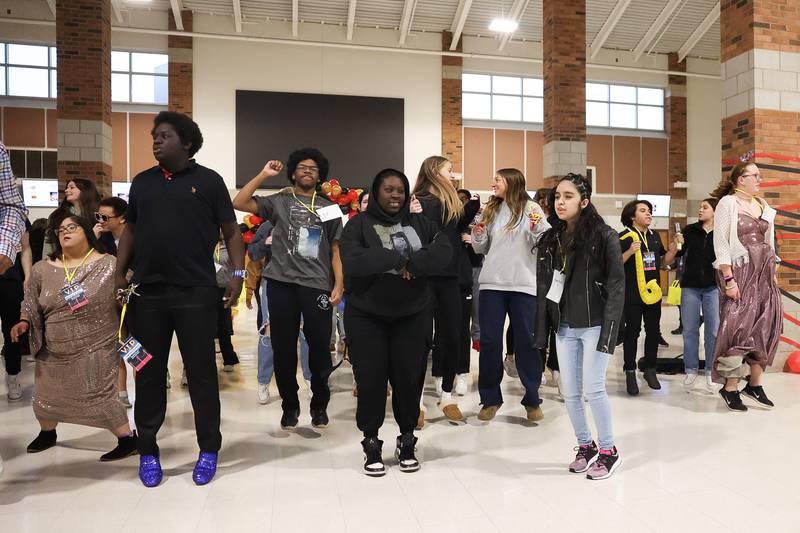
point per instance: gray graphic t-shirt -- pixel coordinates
(403, 239)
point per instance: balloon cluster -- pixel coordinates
(346, 198)
(249, 227)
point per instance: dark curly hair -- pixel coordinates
(629, 212)
(307, 153)
(186, 128)
(85, 225)
(590, 226)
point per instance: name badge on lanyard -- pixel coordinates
(556, 287)
(649, 260)
(75, 296)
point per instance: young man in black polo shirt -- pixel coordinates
(174, 217)
(637, 217)
(304, 276)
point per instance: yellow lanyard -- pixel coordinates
(69, 277)
(564, 256)
(313, 199)
(644, 239)
(752, 199)
(217, 252)
(122, 321)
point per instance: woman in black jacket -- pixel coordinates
(580, 270)
(386, 254)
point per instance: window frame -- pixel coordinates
(130, 73)
(608, 102)
(6, 65)
(491, 94)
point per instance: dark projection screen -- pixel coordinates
(359, 135)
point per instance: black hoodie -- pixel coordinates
(375, 246)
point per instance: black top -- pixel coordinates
(15, 272)
(698, 254)
(177, 221)
(459, 265)
(652, 244)
(109, 244)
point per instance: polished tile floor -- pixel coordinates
(689, 465)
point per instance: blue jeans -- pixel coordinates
(583, 373)
(265, 354)
(521, 309)
(692, 300)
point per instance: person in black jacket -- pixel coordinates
(441, 205)
(699, 292)
(387, 252)
(580, 270)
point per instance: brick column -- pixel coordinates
(760, 56)
(675, 123)
(452, 132)
(180, 66)
(564, 46)
(83, 40)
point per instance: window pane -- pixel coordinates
(120, 90)
(596, 114)
(148, 89)
(650, 118)
(476, 106)
(53, 84)
(506, 85)
(119, 61)
(162, 90)
(623, 116)
(2, 80)
(150, 63)
(28, 81)
(533, 87)
(506, 108)
(623, 93)
(2, 52)
(24, 54)
(53, 57)
(597, 91)
(477, 83)
(533, 110)
(651, 96)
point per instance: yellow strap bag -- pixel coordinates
(674, 293)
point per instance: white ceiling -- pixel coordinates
(438, 15)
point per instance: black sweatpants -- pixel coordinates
(11, 294)
(634, 314)
(191, 313)
(384, 350)
(465, 339)
(225, 330)
(448, 329)
(287, 301)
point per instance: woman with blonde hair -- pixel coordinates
(441, 204)
(507, 234)
(751, 310)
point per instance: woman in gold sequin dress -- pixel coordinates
(73, 337)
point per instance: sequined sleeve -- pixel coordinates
(33, 311)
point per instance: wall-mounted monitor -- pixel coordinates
(661, 203)
(120, 189)
(40, 193)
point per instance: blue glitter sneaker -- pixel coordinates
(205, 468)
(150, 470)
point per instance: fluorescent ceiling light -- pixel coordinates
(503, 25)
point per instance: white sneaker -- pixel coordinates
(184, 379)
(227, 368)
(123, 397)
(510, 364)
(544, 380)
(461, 384)
(14, 388)
(557, 379)
(689, 380)
(263, 393)
(438, 385)
(710, 385)
(30, 359)
(169, 385)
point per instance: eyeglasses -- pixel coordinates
(756, 176)
(103, 218)
(69, 228)
(304, 168)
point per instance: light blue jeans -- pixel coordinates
(692, 300)
(583, 373)
(266, 356)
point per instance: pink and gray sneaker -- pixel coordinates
(587, 454)
(607, 461)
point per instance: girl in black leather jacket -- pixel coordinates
(580, 271)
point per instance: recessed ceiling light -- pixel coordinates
(503, 25)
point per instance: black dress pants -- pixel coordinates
(448, 326)
(382, 350)
(225, 330)
(634, 314)
(287, 302)
(190, 313)
(11, 294)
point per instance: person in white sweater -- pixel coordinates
(507, 233)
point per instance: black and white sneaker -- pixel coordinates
(373, 462)
(757, 394)
(732, 400)
(405, 453)
(290, 419)
(319, 418)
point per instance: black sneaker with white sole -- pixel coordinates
(405, 452)
(732, 400)
(319, 418)
(290, 419)
(757, 394)
(373, 461)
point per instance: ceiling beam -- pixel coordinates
(295, 18)
(608, 26)
(405, 22)
(117, 11)
(52, 5)
(237, 15)
(655, 28)
(351, 19)
(515, 14)
(458, 22)
(699, 33)
(177, 7)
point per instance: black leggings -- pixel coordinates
(11, 294)
(465, 341)
(449, 329)
(225, 330)
(634, 314)
(287, 301)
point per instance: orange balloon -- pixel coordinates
(793, 363)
